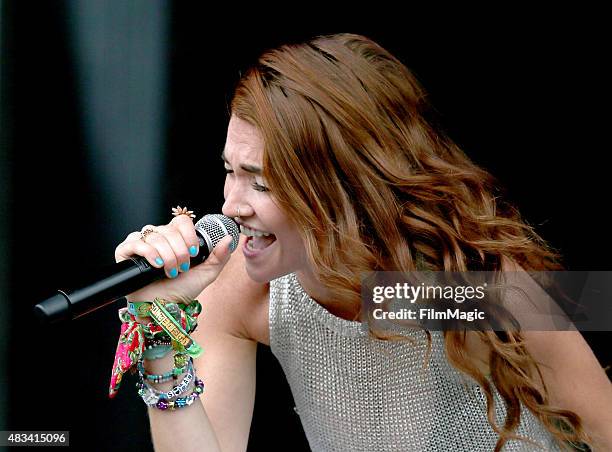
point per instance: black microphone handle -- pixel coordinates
(106, 286)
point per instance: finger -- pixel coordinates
(210, 269)
(179, 247)
(159, 240)
(185, 226)
(136, 235)
(221, 253)
(137, 247)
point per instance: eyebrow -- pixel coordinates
(245, 166)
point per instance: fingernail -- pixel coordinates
(173, 273)
(185, 266)
(159, 261)
(193, 250)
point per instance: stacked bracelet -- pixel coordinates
(170, 399)
(160, 378)
(180, 365)
(156, 348)
(165, 404)
(139, 308)
(150, 395)
(158, 342)
(181, 340)
(186, 314)
(142, 308)
(170, 329)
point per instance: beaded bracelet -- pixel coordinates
(154, 378)
(167, 327)
(152, 352)
(163, 403)
(164, 400)
(158, 342)
(176, 390)
(156, 348)
(181, 363)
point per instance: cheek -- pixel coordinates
(293, 246)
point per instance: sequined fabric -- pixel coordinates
(356, 393)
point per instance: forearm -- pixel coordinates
(184, 425)
(184, 429)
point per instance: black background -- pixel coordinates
(522, 96)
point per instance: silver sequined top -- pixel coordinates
(356, 393)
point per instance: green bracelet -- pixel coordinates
(169, 324)
(142, 308)
(139, 308)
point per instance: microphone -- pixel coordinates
(125, 277)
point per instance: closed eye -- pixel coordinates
(258, 187)
(255, 185)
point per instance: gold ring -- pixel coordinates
(178, 210)
(146, 231)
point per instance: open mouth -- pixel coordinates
(259, 243)
(257, 240)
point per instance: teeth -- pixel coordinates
(252, 232)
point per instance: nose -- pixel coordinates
(236, 205)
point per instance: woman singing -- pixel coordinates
(335, 168)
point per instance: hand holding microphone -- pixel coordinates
(174, 261)
(171, 247)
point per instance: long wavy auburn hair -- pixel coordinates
(354, 157)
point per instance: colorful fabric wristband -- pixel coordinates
(163, 318)
(141, 308)
(165, 327)
(130, 347)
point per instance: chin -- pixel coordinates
(262, 276)
(259, 276)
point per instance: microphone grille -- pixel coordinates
(216, 226)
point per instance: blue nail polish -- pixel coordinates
(173, 273)
(185, 266)
(159, 261)
(193, 250)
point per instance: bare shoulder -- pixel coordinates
(236, 304)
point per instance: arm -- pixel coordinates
(227, 365)
(575, 380)
(221, 418)
(573, 376)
